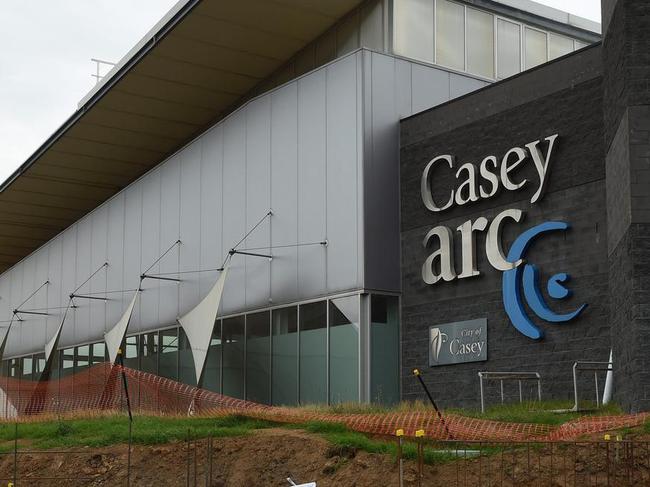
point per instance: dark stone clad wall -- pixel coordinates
(626, 62)
(564, 98)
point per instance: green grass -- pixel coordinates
(367, 408)
(110, 430)
(340, 435)
(527, 412)
(537, 412)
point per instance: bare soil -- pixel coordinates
(267, 457)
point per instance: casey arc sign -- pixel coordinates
(520, 279)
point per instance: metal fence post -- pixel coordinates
(187, 444)
(208, 461)
(128, 455)
(400, 464)
(16, 454)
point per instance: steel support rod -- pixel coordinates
(17, 311)
(147, 276)
(82, 296)
(417, 374)
(251, 254)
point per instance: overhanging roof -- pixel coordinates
(202, 58)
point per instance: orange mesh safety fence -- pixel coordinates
(99, 389)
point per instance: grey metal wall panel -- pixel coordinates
(40, 299)
(403, 88)
(234, 206)
(284, 192)
(190, 225)
(430, 87)
(115, 259)
(319, 151)
(98, 249)
(30, 323)
(343, 161)
(16, 295)
(84, 271)
(460, 85)
(56, 298)
(170, 176)
(68, 283)
(5, 306)
(147, 310)
(372, 25)
(395, 88)
(312, 176)
(381, 171)
(133, 244)
(212, 253)
(258, 200)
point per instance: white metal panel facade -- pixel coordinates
(320, 151)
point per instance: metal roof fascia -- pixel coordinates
(177, 16)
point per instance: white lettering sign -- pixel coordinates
(492, 175)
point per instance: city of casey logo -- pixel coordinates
(520, 283)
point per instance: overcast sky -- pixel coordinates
(45, 66)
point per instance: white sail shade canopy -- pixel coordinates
(199, 322)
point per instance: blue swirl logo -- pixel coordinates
(526, 276)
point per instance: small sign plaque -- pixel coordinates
(457, 343)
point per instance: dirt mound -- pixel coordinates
(267, 457)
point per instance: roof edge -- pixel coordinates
(162, 28)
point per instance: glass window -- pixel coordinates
(450, 35)
(39, 365)
(82, 357)
(384, 349)
(559, 45)
(67, 362)
(168, 359)
(98, 354)
(149, 352)
(535, 48)
(313, 350)
(27, 368)
(130, 350)
(80, 377)
(347, 34)
(14, 368)
(508, 48)
(480, 43)
(344, 350)
(285, 357)
(258, 357)
(212, 374)
(233, 356)
(187, 370)
(413, 29)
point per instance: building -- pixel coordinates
(551, 164)
(272, 129)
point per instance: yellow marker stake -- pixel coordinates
(419, 434)
(400, 465)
